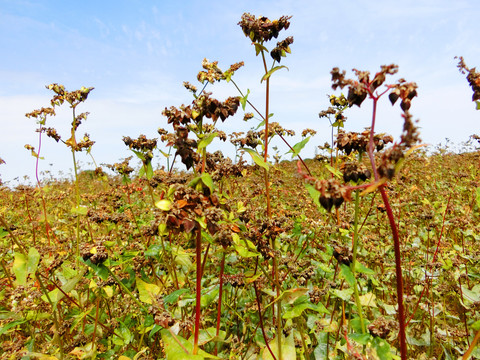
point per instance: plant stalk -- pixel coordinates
(198, 290)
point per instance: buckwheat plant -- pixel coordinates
(384, 167)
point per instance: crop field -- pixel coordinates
(368, 251)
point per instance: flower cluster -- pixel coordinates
(473, 78)
(359, 89)
(355, 172)
(214, 73)
(72, 97)
(262, 29)
(282, 48)
(353, 141)
(332, 193)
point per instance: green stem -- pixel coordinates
(127, 290)
(220, 293)
(198, 290)
(269, 210)
(354, 261)
(57, 337)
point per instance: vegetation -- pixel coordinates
(368, 251)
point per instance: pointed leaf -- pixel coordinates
(288, 349)
(298, 147)
(164, 204)
(80, 210)
(271, 71)
(33, 259)
(243, 100)
(146, 291)
(334, 171)
(347, 274)
(178, 348)
(20, 268)
(56, 295)
(258, 159)
(314, 194)
(259, 48)
(206, 140)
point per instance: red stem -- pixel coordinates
(398, 273)
(396, 239)
(260, 317)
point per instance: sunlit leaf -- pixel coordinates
(147, 292)
(337, 173)
(20, 268)
(288, 349)
(258, 159)
(80, 210)
(243, 100)
(33, 259)
(56, 295)
(178, 348)
(345, 294)
(271, 71)
(368, 300)
(244, 248)
(164, 204)
(298, 147)
(206, 141)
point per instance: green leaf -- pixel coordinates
(368, 299)
(80, 210)
(288, 349)
(470, 296)
(243, 100)
(33, 259)
(164, 204)
(345, 295)
(178, 348)
(245, 248)
(174, 296)
(360, 338)
(478, 105)
(208, 182)
(125, 333)
(139, 155)
(320, 351)
(383, 349)
(259, 48)
(477, 197)
(476, 325)
(56, 295)
(298, 147)
(360, 268)
(10, 325)
(208, 298)
(3, 232)
(271, 71)
(182, 258)
(149, 171)
(347, 274)
(20, 268)
(258, 159)
(334, 171)
(146, 291)
(165, 154)
(295, 311)
(314, 194)
(206, 140)
(203, 180)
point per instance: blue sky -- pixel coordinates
(137, 54)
